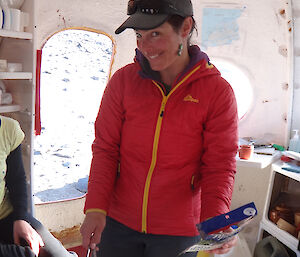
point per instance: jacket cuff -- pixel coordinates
(96, 210)
(21, 216)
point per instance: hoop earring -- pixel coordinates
(180, 48)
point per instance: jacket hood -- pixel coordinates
(196, 57)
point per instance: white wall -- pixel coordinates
(263, 33)
(296, 99)
(251, 185)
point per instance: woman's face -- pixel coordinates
(159, 46)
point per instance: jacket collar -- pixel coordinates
(196, 55)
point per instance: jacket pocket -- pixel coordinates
(118, 171)
(193, 182)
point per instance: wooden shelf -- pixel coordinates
(20, 47)
(14, 34)
(289, 198)
(15, 75)
(277, 167)
(9, 108)
(283, 236)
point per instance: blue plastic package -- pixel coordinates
(216, 231)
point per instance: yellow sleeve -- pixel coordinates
(12, 134)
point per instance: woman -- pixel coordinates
(20, 234)
(165, 145)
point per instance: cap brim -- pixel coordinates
(142, 21)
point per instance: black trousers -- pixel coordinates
(118, 240)
(52, 248)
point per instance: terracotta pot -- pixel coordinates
(285, 212)
(246, 151)
(274, 216)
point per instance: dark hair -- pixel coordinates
(176, 22)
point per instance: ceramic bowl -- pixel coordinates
(14, 3)
(1, 18)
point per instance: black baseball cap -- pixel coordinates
(149, 14)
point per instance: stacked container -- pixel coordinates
(294, 144)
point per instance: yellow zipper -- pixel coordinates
(153, 162)
(155, 146)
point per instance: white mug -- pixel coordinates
(14, 67)
(6, 18)
(3, 65)
(15, 17)
(24, 20)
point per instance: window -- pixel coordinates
(74, 71)
(239, 82)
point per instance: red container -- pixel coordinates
(246, 151)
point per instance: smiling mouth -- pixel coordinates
(153, 56)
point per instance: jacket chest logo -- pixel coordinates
(189, 98)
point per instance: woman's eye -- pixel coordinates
(138, 35)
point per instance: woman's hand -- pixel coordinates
(23, 230)
(226, 247)
(91, 229)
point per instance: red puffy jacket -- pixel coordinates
(161, 164)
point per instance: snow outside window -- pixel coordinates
(74, 72)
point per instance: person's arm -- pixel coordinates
(220, 139)
(219, 163)
(105, 161)
(106, 147)
(16, 184)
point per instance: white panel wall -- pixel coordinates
(296, 99)
(264, 32)
(251, 185)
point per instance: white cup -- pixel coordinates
(3, 65)
(6, 98)
(15, 17)
(24, 20)
(14, 67)
(6, 17)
